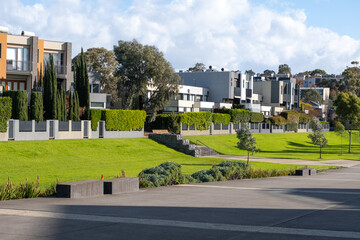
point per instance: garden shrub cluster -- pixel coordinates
(19, 104)
(5, 112)
(292, 118)
(95, 117)
(10, 190)
(200, 120)
(278, 120)
(169, 173)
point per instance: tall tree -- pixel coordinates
(311, 95)
(284, 69)
(246, 141)
(352, 79)
(82, 81)
(198, 67)
(318, 71)
(317, 136)
(348, 111)
(269, 72)
(148, 81)
(102, 66)
(36, 106)
(340, 130)
(50, 90)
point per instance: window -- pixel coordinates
(58, 59)
(17, 59)
(96, 89)
(97, 104)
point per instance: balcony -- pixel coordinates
(60, 69)
(21, 66)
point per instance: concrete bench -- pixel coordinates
(305, 171)
(160, 131)
(121, 185)
(80, 189)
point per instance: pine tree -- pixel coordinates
(50, 90)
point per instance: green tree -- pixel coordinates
(318, 71)
(284, 69)
(269, 72)
(352, 79)
(50, 90)
(249, 72)
(246, 141)
(102, 66)
(317, 136)
(143, 67)
(348, 111)
(22, 105)
(36, 106)
(82, 81)
(311, 95)
(340, 130)
(40, 83)
(75, 107)
(198, 67)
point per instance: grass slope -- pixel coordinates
(73, 160)
(285, 145)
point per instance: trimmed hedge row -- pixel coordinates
(163, 121)
(221, 118)
(200, 120)
(36, 106)
(19, 104)
(256, 117)
(118, 120)
(5, 112)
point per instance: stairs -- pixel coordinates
(176, 142)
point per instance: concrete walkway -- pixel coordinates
(339, 162)
(323, 206)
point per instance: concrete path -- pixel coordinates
(324, 206)
(339, 162)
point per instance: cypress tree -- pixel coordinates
(50, 90)
(36, 106)
(71, 106)
(82, 83)
(22, 105)
(64, 105)
(40, 83)
(76, 107)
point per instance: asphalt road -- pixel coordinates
(325, 206)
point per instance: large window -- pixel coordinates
(58, 61)
(13, 85)
(18, 59)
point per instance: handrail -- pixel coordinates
(198, 141)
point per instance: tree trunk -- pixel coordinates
(247, 163)
(320, 151)
(349, 141)
(341, 145)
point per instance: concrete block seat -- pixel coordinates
(305, 172)
(80, 189)
(121, 185)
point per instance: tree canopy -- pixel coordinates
(198, 67)
(352, 79)
(246, 141)
(284, 69)
(142, 68)
(269, 72)
(311, 95)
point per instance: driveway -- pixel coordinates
(324, 206)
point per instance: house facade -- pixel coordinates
(22, 56)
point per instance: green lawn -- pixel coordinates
(72, 160)
(285, 145)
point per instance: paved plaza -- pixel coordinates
(324, 206)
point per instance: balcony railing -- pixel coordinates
(13, 65)
(60, 69)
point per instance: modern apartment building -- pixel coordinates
(22, 56)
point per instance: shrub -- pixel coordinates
(200, 120)
(259, 173)
(22, 105)
(123, 120)
(36, 106)
(95, 117)
(304, 118)
(221, 118)
(240, 116)
(13, 95)
(278, 120)
(163, 121)
(256, 117)
(5, 112)
(167, 173)
(292, 118)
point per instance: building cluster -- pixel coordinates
(23, 56)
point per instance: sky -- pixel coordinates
(231, 34)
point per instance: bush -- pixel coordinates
(123, 120)
(268, 173)
(163, 121)
(200, 120)
(304, 118)
(95, 117)
(278, 120)
(36, 106)
(168, 173)
(292, 127)
(13, 95)
(5, 112)
(22, 105)
(256, 117)
(221, 118)
(240, 116)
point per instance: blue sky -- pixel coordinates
(234, 34)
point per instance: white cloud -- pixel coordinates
(234, 34)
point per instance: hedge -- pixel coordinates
(220, 118)
(200, 120)
(95, 117)
(256, 117)
(5, 112)
(36, 106)
(291, 116)
(304, 118)
(13, 95)
(240, 116)
(163, 121)
(278, 120)
(123, 120)
(22, 105)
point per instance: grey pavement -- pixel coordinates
(338, 162)
(323, 206)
